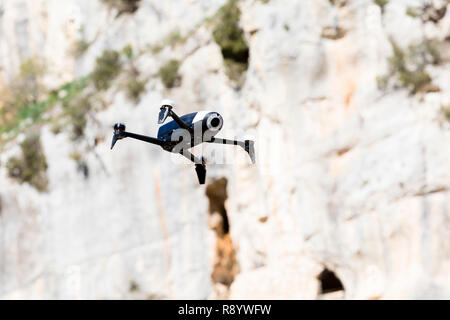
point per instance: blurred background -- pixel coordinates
(348, 102)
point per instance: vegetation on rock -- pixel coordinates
(230, 37)
(76, 111)
(407, 68)
(25, 89)
(169, 74)
(134, 85)
(381, 3)
(445, 112)
(412, 12)
(108, 67)
(31, 166)
(80, 47)
(123, 6)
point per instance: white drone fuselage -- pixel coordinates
(203, 125)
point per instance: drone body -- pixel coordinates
(185, 132)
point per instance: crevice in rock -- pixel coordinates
(133, 286)
(343, 151)
(123, 6)
(433, 14)
(423, 193)
(333, 32)
(329, 282)
(225, 265)
(83, 168)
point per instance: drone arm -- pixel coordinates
(178, 120)
(142, 138)
(119, 135)
(248, 145)
(227, 141)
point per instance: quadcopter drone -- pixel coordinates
(185, 132)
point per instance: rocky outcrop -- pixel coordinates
(349, 197)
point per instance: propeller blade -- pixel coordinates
(119, 128)
(114, 140)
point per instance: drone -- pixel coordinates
(184, 133)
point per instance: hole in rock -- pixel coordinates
(225, 263)
(217, 194)
(329, 282)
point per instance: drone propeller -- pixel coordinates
(119, 128)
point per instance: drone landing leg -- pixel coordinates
(200, 167)
(248, 145)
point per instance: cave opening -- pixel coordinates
(217, 194)
(329, 282)
(225, 263)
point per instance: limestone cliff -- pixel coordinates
(348, 102)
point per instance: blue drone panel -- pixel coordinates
(165, 131)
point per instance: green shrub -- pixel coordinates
(134, 84)
(156, 49)
(234, 70)
(381, 3)
(25, 89)
(135, 87)
(31, 166)
(36, 112)
(169, 74)
(412, 12)
(76, 156)
(228, 34)
(108, 67)
(431, 48)
(76, 111)
(407, 69)
(172, 39)
(445, 112)
(123, 6)
(80, 47)
(128, 51)
(230, 37)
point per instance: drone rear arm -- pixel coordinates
(248, 145)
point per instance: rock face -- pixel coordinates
(349, 178)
